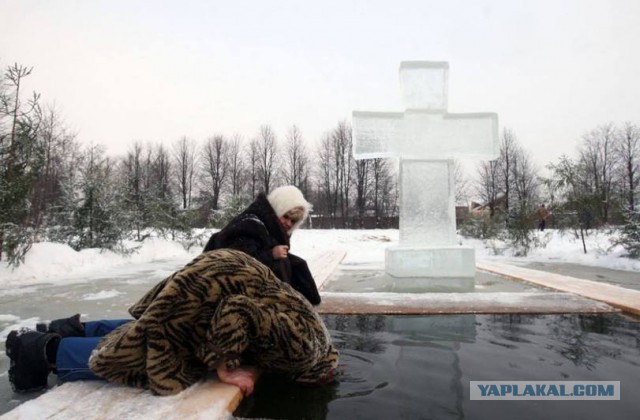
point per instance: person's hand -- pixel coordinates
(243, 377)
(280, 252)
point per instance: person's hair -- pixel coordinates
(296, 214)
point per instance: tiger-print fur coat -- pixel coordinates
(222, 307)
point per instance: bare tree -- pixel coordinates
(296, 171)
(597, 154)
(509, 148)
(362, 187)
(135, 194)
(525, 179)
(327, 177)
(344, 163)
(488, 187)
(157, 184)
(215, 166)
(335, 170)
(57, 144)
(253, 165)
(267, 151)
(148, 160)
(381, 186)
(461, 183)
(628, 154)
(134, 166)
(161, 174)
(511, 179)
(185, 159)
(236, 166)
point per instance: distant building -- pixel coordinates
(480, 209)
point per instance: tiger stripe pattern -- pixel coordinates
(222, 307)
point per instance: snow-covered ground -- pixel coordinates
(59, 264)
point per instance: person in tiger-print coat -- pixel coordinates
(222, 310)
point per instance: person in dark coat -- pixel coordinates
(263, 231)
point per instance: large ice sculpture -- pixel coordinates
(426, 138)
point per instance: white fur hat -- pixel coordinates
(285, 198)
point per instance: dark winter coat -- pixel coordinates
(224, 307)
(256, 231)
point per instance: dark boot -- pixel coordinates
(66, 327)
(29, 367)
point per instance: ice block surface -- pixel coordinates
(425, 130)
(427, 207)
(424, 85)
(426, 138)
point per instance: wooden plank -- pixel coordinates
(324, 264)
(198, 401)
(459, 303)
(102, 401)
(51, 403)
(626, 299)
(209, 399)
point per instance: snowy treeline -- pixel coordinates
(602, 180)
(599, 187)
(55, 188)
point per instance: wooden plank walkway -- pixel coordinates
(459, 303)
(627, 300)
(324, 265)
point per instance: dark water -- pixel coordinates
(397, 367)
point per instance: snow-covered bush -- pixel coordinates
(629, 237)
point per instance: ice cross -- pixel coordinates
(426, 138)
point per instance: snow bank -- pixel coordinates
(56, 263)
(48, 262)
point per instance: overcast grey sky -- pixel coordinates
(125, 70)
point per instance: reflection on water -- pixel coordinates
(418, 367)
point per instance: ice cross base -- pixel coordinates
(426, 138)
(436, 262)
